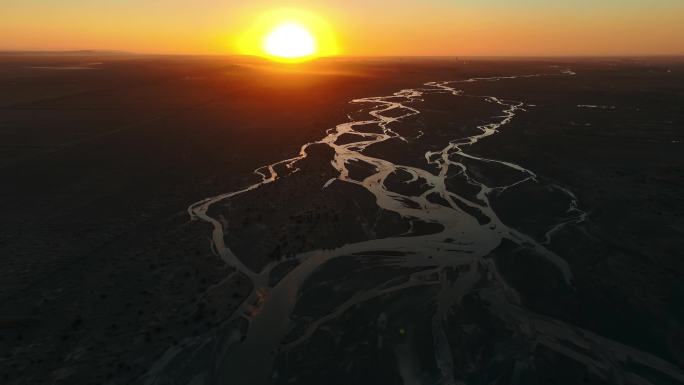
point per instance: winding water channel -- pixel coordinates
(249, 355)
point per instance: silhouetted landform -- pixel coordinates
(461, 221)
(52, 55)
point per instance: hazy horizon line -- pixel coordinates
(85, 52)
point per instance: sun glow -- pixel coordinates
(290, 41)
(290, 36)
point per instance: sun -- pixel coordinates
(290, 40)
(289, 36)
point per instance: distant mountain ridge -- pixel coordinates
(85, 52)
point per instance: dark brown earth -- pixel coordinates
(102, 269)
(625, 164)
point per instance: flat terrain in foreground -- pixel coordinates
(103, 270)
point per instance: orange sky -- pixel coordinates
(400, 27)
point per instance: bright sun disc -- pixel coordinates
(288, 35)
(290, 41)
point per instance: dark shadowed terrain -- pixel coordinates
(549, 252)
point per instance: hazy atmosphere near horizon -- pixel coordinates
(342, 192)
(381, 27)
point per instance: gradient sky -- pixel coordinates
(383, 27)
